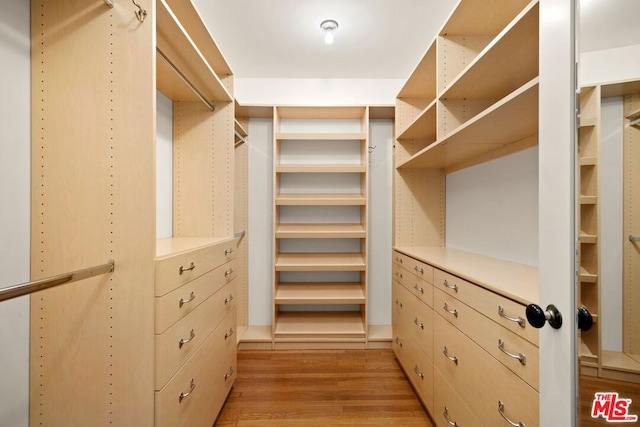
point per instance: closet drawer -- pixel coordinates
(480, 380)
(174, 271)
(178, 303)
(448, 407)
(180, 341)
(503, 311)
(422, 289)
(414, 317)
(203, 382)
(523, 360)
(419, 268)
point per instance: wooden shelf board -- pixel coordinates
(320, 293)
(240, 129)
(510, 58)
(257, 334)
(172, 246)
(588, 161)
(347, 168)
(587, 277)
(328, 112)
(315, 230)
(588, 200)
(585, 122)
(620, 361)
(380, 333)
(337, 324)
(421, 83)
(423, 127)
(174, 42)
(361, 136)
(321, 199)
(586, 353)
(482, 18)
(587, 238)
(320, 262)
(509, 120)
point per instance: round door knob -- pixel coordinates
(537, 316)
(585, 320)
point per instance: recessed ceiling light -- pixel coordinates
(328, 26)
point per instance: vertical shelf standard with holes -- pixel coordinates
(320, 227)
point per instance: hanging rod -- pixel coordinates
(185, 80)
(635, 122)
(242, 139)
(50, 282)
(239, 234)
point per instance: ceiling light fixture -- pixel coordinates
(328, 26)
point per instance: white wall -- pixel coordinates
(164, 167)
(15, 189)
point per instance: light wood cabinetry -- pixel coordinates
(473, 97)
(320, 226)
(101, 347)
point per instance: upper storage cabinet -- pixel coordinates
(475, 91)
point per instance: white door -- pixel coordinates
(556, 214)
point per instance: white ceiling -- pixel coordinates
(376, 39)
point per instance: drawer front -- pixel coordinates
(516, 353)
(203, 382)
(419, 268)
(417, 367)
(178, 303)
(481, 381)
(180, 341)
(415, 317)
(422, 289)
(175, 271)
(448, 407)
(503, 311)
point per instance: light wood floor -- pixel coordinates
(321, 388)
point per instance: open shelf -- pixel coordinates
(422, 83)
(321, 136)
(423, 127)
(320, 262)
(300, 168)
(319, 293)
(319, 325)
(320, 231)
(320, 199)
(482, 18)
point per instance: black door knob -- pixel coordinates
(537, 316)
(585, 320)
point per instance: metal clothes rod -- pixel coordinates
(239, 234)
(185, 80)
(635, 122)
(634, 238)
(242, 139)
(50, 282)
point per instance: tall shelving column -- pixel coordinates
(320, 227)
(589, 225)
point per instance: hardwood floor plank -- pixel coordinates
(321, 388)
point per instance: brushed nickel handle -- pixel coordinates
(419, 289)
(399, 342)
(447, 285)
(183, 341)
(228, 272)
(420, 374)
(454, 359)
(183, 268)
(521, 357)
(418, 324)
(187, 393)
(446, 308)
(184, 301)
(398, 274)
(398, 302)
(228, 299)
(229, 374)
(446, 417)
(519, 320)
(501, 411)
(399, 259)
(419, 270)
(228, 334)
(228, 251)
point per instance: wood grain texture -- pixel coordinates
(590, 385)
(321, 388)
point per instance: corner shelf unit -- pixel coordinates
(320, 227)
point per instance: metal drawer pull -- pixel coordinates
(399, 342)
(398, 303)
(521, 357)
(419, 289)
(183, 341)
(418, 324)
(228, 251)
(229, 299)
(398, 259)
(183, 268)
(228, 334)
(454, 359)
(519, 320)
(192, 387)
(228, 272)
(446, 417)
(230, 374)
(419, 270)
(399, 274)
(420, 374)
(446, 308)
(501, 410)
(184, 301)
(447, 285)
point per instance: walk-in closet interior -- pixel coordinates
(192, 186)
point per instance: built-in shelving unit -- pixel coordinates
(320, 227)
